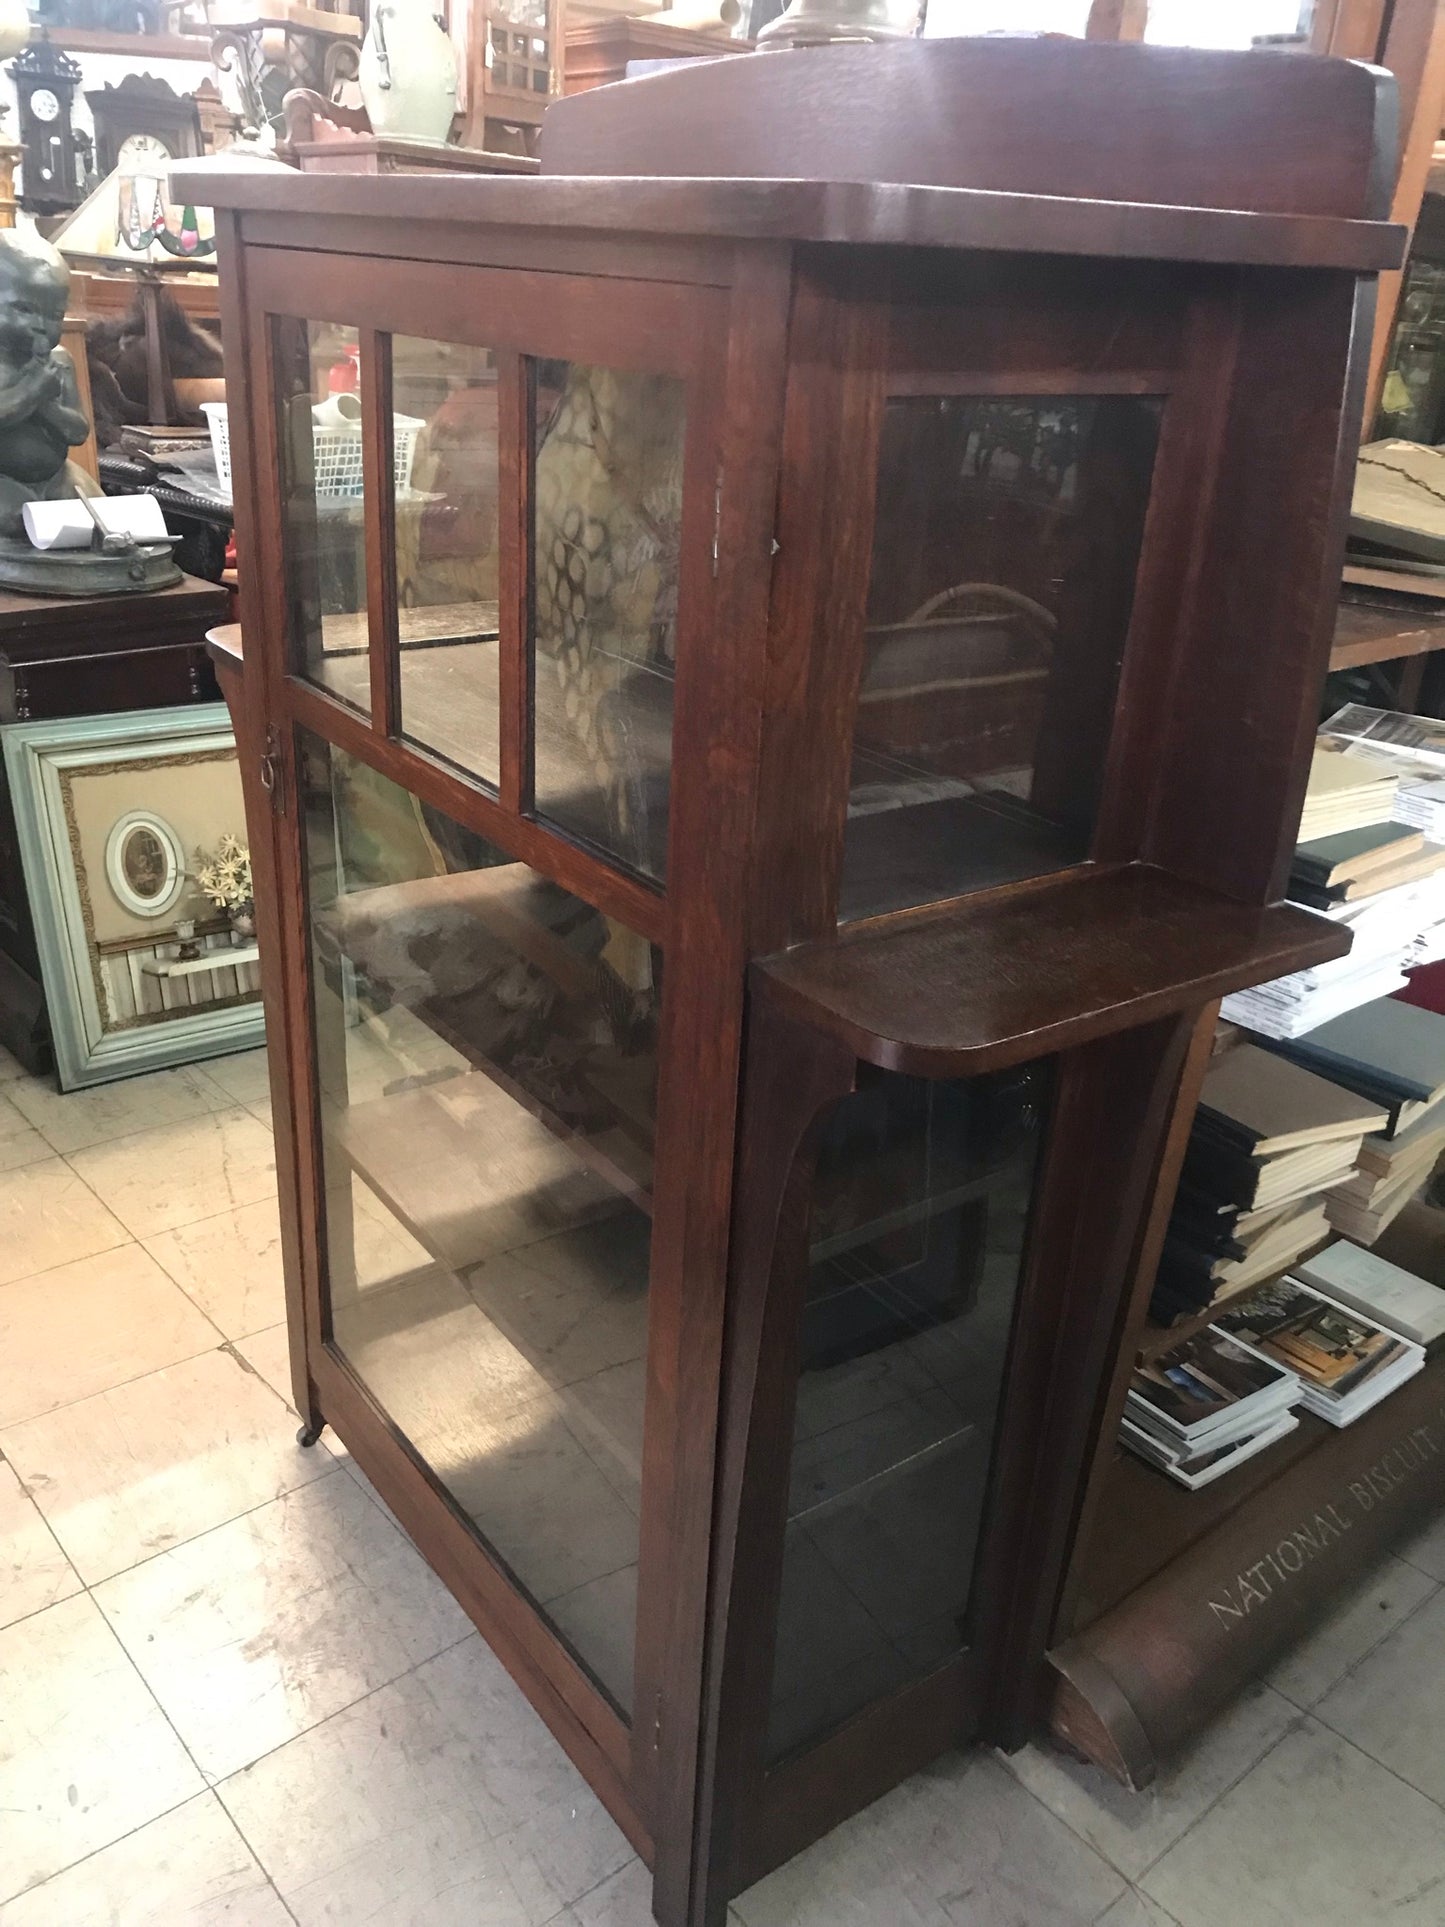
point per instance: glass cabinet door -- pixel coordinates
(323, 503)
(920, 1205)
(477, 575)
(1005, 547)
(607, 538)
(486, 1050)
(445, 405)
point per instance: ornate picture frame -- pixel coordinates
(140, 971)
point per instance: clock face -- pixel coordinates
(44, 105)
(143, 154)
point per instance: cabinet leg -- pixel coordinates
(309, 1434)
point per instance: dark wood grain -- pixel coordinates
(1111, 1110)
(842, 212)
(824, 532)
(1134, 1310)
(514, 582)
(1009, 976)
(711, 877)
(790, 1077)
(1184, 127)
(982, 240)
(69, 620)
(1289, 431)
(262, 731)
(638, 903)
(379, 508)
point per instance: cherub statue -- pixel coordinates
(40, 413)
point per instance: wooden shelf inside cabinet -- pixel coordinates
(476, 908)
(1038, 968)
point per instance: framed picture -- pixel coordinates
(113, 816)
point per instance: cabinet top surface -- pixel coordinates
(846, 213)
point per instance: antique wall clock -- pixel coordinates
(55, 156)
(143, 125)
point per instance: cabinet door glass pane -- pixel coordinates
(920, 1206)
(323, 509)
(486, 1054)
(606, 553)
(444, 399)
(1005, 548)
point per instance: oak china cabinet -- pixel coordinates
(764, 740)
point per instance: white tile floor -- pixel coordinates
(231, 1692)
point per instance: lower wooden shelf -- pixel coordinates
(1189, 1595)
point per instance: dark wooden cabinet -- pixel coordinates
(772, 709)
(82, 656)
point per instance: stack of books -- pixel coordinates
(1356, 864)
(1268, 1140)
(1345, 1361)
(1388, 1173)
(1385, 884)
(1206, 1405)
(1422, 806)
(1391, 1054)
(1388, 1051)
(1346, 791)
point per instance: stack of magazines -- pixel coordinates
(1343, 1360)
(1206, 1405)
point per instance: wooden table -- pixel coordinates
(1376, 623)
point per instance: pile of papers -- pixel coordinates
(1206, 1405)
(1371, 857)
(1345, 1361)
(1404, 1303)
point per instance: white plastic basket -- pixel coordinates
(336, 452)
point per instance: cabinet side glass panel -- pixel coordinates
(444, 398)
(323, 509)
(1006, 544)
(606, 550)
(486, 1059)
(920, 1206)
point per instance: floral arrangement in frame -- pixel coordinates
(142, 968)
(225, 878)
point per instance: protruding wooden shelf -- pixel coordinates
(1043, 967)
